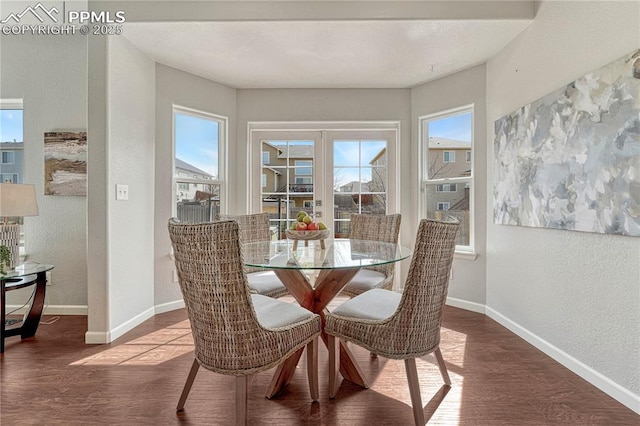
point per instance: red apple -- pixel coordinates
(301, 226)
(312, 226)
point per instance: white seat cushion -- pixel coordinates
(274, 313)
(376, 304)
(264, 282)
(366, 280)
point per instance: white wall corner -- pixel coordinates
(97, 337)
(131, 324)
(608, 386)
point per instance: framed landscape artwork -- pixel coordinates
(571, 160)
(65, 163)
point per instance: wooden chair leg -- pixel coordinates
(312, 368)
(443, 367)
(241, 400)
(333, 344)
(414, 390)
(187, 386)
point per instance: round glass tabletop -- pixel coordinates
(25, 269)
(337, 254)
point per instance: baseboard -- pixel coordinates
(608, 386)
(465, 304)
(132, 323)
(51, 309)
(169, 306)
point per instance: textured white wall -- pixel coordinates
(50, 74)
(578, 292)
(459, 89)
(174, 87)
(131, 161)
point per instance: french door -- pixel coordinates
(327, 173)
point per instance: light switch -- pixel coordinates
(122, 192)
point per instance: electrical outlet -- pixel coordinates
(49, 282)
(175, 276)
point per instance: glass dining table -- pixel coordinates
(333, 267)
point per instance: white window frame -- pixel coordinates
(267, 155)
(323, 161)
(223, 137)
(299, 166)
(451, 155)
(423, 173)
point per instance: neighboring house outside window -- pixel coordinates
(12, 150)
(447, 171)
(199, 186)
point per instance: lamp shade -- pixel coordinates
(18, 199)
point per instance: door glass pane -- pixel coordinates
(359, 180)
(289, 176)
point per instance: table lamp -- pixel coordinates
(16, 200)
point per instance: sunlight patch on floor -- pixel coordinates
(151, 349)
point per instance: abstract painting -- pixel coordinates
(65, 163)
(571, 160)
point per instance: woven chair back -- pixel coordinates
(216, 295)
(419, 315)
(383, 228)
(252, 228)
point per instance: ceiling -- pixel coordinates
(323, 54)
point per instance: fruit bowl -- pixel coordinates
(306, 236)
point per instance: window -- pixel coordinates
(199, 141)
(265, 157)
(8, 157)
(308, 204)
(303, 167)
(9, 177)
(446, 187)
(263, 180)
(12, 149)
(447, 184)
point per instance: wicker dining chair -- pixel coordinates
(235, 332)
(375, 228)
(401, 326)
(255, 228)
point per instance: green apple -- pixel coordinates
(301, 215)
(293, 226)
(322, 226)
(307, 219)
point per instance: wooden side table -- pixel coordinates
(21, 277)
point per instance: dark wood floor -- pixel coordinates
(498, 379)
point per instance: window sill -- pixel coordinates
(465, 255)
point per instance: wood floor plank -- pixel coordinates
(497, 379)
